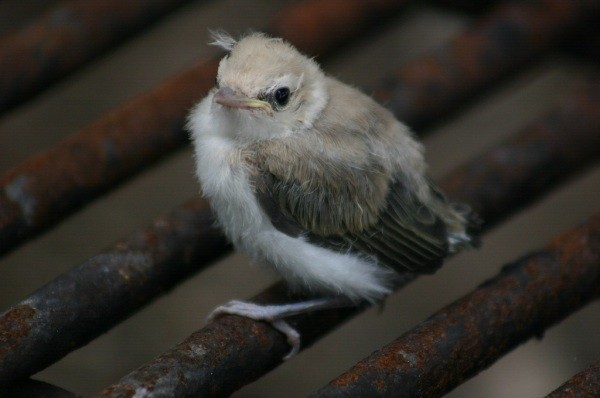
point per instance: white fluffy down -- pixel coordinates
(225, 183)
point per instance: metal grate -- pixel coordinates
(499, 41)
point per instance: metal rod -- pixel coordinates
(585, 384)
(51, 185)
(513, 34)
(67, 37)
(457, 342)
(232, 351)
(512, 175)
(318, 27)
(55, 183)
(66, 313)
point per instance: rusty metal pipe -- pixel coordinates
(66, 313)
(225, 355)
(513, 34)
(513, 174)
(67, 37)
(457, 342)
(51, 185)
(56, 182)
(318, 27)
(585, 384)
(232, 351)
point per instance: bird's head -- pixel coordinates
(266, 87)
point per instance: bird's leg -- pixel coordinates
(274, 314)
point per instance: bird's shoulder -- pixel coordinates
(350, 110)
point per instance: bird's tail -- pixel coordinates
(462, 223)
(464, 227)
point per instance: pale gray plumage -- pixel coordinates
(316, 179)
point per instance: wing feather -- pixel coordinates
(407, 236)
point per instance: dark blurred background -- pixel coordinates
(180, 40)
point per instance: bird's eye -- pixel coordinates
(282, 96)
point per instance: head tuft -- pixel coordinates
(222, 39)
(261, 67)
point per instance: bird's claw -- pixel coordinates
(264, 313)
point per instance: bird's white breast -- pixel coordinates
(225, 182)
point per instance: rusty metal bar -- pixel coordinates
(67, 314)
(513, 174)
(67, 37)
(457, 342)
(226, 354)
(35, 388)
(320, 27)
(232, 351)
(48, 187)
(510, 36)
(585, 384)
(55, 183)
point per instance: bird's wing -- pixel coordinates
(405, 235)
(333, 185)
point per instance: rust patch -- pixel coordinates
(584, 384)
(379, 385)
(570, 246)
(346, 379)
(15, 325)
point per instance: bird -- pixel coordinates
(316, 180)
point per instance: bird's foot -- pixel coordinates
(274, 315)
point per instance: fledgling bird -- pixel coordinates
(316, 180)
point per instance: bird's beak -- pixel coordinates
(228, 97)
